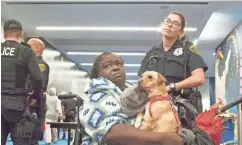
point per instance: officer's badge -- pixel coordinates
(194, 49)
(178, 51)
(42, 67)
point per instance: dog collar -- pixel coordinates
(155, 99)
(159, 98)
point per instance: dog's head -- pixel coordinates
(150, 80)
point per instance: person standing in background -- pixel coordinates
(39, 108)
(54, 111)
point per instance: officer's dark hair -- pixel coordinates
(184, 38)
(183, 20)
(95, 70)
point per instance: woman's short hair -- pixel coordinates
(95, 70)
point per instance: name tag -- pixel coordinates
(9, 52)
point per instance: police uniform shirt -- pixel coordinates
(44, 68)
(171, 64)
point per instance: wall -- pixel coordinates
(64, 75)
(204, 89)
(228, 72)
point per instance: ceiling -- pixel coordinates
(213, 20)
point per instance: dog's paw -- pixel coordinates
(139, 120)
(137, 125)
(146, 126)
(143, 127)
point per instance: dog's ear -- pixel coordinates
(161, 79)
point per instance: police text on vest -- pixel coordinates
(7, 51)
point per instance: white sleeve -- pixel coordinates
(58, 107)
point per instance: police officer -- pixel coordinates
(18, 60)
(182, 65)
(38, 47)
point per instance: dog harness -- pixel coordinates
(164, 98)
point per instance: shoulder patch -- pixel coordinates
(194, 49)
(42, 67)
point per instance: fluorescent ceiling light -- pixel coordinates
(132, 81)
(69, 28)
(70, 72)
(131, 74)
(60, 64)
(127, 65)
(87, 64)
(51, 53)
(132, 65)
(97, 53)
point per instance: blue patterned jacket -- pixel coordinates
(101, 110)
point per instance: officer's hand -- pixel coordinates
(168, 89)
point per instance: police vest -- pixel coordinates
(172, 67)
(14, 68)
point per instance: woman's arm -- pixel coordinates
(124, 135)
(197, 78)
(115, 129)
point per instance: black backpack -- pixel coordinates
(188, 113)
(195, 98)
(70, 113)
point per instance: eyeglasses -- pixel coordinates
(174, 23)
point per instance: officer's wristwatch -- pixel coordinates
(172, 87)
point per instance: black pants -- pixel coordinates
(16, 130)
(40, 111)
